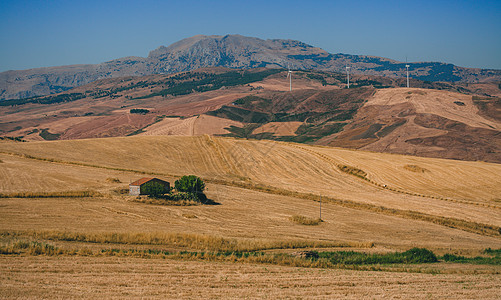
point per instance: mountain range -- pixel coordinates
(231, 51)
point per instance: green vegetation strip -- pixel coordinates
(396, 262)
(204, 82)
(478, 260)
(65, 97)
(469, 226)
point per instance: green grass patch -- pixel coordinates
(412, 256)
(184, 84)
(242, 132)
(66, 97)
(46, 135)
(478, 260)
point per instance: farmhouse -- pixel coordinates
(136, 188)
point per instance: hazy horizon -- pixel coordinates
(54, 33)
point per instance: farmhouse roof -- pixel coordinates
(141, 181)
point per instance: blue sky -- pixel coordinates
(51, 33)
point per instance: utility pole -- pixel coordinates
(320, 207)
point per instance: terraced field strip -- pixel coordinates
(470, 226)
(363, 177)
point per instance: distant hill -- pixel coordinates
(232, 51)
(435, 119)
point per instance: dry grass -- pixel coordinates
(436, 102)
(197, 125)
(266, 162)
(243, 214)
(183, 240)
(189, 216)
(475, 227)
(259, 184)
(302, 220)
(32, 175)
(67, 194)
(155, 201)
(113, 180)
(283, 169)
(353, 171)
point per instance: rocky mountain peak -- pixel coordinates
(230, 51)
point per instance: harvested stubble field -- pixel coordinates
(451, 207)
(69, 277)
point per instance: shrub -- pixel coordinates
(153, 189)
(191, 185)
(453, 258)
(419, 255)
(139, 111)
(496, 252)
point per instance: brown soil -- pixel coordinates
(425, 123)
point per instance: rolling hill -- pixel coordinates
(444, 193)
(232, 51)
(459, 121)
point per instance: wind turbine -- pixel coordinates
(289, 75)
(348, 75)
(407, 67)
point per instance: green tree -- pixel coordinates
(193, 185)
(153, 189)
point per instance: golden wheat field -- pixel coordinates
(152, 278)
(66, 198)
